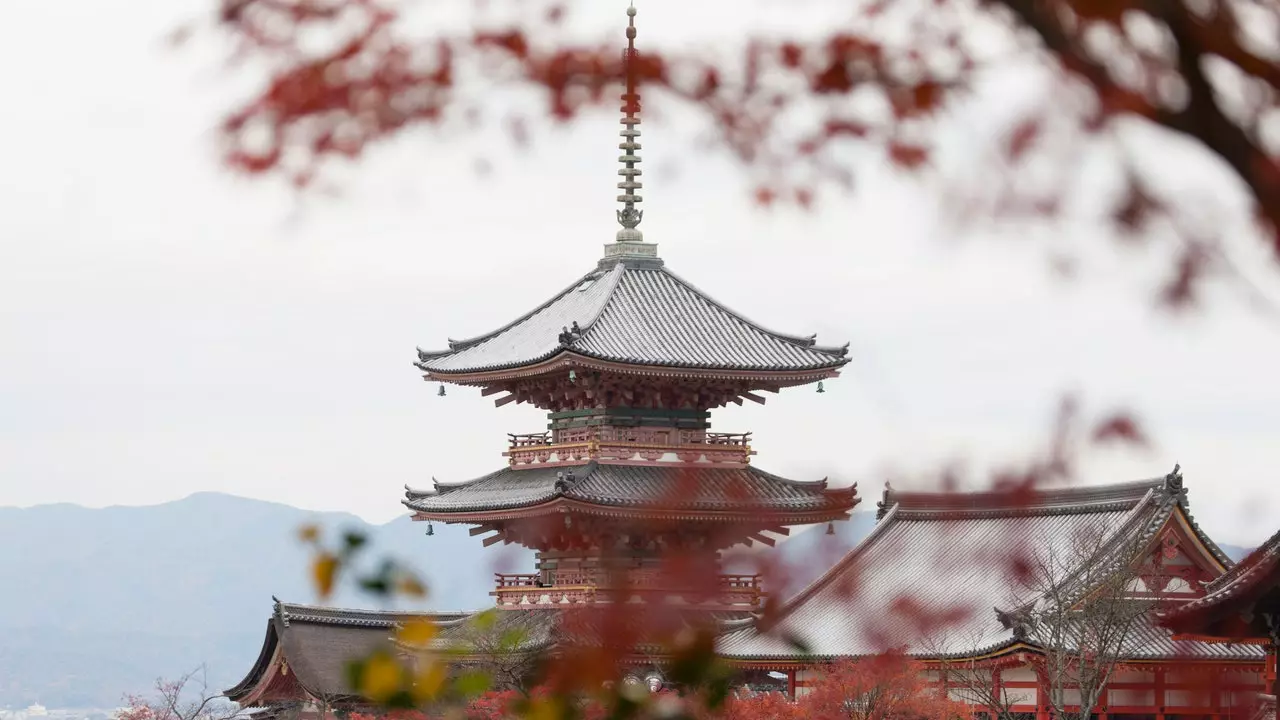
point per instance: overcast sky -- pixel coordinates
(166, 328)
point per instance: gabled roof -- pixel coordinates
(312, 645)
(933, 573)
(634, 488)
(635, 313)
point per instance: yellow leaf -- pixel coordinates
(380, 678)
(416, 633)
(309, 533)
(411, 586)
(428, 681)
(323, 570)
(544, 708)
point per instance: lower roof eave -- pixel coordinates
(646, 512)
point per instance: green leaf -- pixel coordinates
(354, 540)
(485, 620)
(375, 585)
(512, 639)
(472, 683)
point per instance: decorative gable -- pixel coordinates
(1178, 564)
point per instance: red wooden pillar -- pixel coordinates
(1269, 682)
(791, 685)
(997, 690)
(1042, 697)
(1159, 694)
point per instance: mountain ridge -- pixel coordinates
(189, 582)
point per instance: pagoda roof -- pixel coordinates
(625, 489)
(932, 576)
(633, 313)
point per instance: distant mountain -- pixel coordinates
(95, 603)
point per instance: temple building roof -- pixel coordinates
(633, 313)
(307, 648)
(623, 488)
(934, 577)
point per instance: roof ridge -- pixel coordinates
(807, 343)
(617, 271)
(289, 612)
(456, 345)
(1019, 501)
(1174, 483)
(849, 557)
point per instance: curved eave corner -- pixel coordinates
(246, 686)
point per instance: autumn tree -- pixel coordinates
(1083, 616)
(884, 687)
(185, 698)
(1202, 71)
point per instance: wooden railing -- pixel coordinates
(630, 445)
(581, 586)
(529, 440)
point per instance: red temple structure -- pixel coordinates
(887, 594)
(628, 361)
(1240, 607)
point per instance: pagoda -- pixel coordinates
(628, 361)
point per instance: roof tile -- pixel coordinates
(635, 314)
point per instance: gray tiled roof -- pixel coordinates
(318, 643)
(683, 488)
(636, 314)
(935, 557)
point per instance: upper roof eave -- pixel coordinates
(569, 356)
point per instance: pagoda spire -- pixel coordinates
(630, 216)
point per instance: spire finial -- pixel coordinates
(630, 216)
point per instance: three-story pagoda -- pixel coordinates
(628, 361)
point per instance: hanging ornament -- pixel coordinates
(573, 376)
(831, 529)
(819, 387)
(441, 393)
(430, 530)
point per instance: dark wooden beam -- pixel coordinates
(504, 400)
(482, 529)
(759, 537)
(492, 390)
(753, 398)
(494, 539)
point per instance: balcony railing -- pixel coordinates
(629, 445)
(571, 587)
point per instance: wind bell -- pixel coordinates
(430, 530)
(819, 388)
(831, 529)
(573, 376)
(441, 393)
